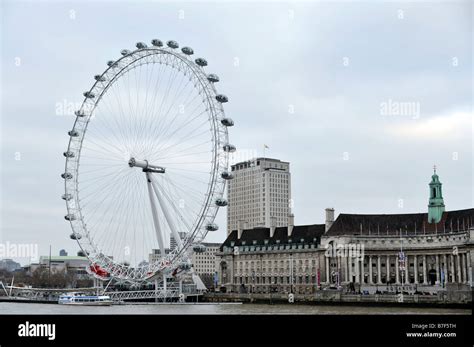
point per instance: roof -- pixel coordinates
(301, 233)
(401, 224)
(211, 244)
(261, 159)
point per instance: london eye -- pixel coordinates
(146, 164)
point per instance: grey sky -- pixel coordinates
(306, 78)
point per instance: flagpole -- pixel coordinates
(264, 156)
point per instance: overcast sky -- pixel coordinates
(318, 82)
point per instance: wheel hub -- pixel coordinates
(147, 167)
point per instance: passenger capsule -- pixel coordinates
(227, 175)
(66, 175)
(212, 227)
(199, 248)
(111, 63)
(81, 254)
(80, 113)
(213, 78)
(75, 236)
(125, 52)
(99, 78)
(141, 45)
(187, 50)
(156, 43)
(68, 154)
(201, 61)
(228, 122)
(229, 148)
(221, 202)
(66, 197)
(89, 95)
(221, 98)
(73, 133)
(70, 217)
(172, 44)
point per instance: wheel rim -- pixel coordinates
(119, 120)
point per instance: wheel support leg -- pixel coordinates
(159, 234)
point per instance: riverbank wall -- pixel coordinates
(440, 299)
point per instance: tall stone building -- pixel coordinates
(259, 194)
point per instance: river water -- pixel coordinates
(212, 308)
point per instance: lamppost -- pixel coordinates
(291, 274)
(401, 260)
(253, 281)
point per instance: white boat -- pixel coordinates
(83, 299)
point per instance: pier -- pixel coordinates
(172, 293)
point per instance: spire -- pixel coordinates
(436, 202)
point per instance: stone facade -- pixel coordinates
(263, 260)
(430, 259)
(385, 253)
(429, 262)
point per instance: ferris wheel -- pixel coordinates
(146, 164)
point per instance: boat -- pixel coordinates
(76, 298)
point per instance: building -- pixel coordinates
(259, 194)
(402, 249)
(417, 252)
(173, 242)
(70, 264)
(155, 255)
(204, 263)
(9, 265)
(264, 260)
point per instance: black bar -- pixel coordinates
(248, 329)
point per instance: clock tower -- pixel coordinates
(436, 202)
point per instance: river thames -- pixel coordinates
(227, 308)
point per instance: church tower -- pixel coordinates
(436, 203)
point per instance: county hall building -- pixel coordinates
(419, 252)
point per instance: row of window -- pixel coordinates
(275, 263)
(275, 279)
